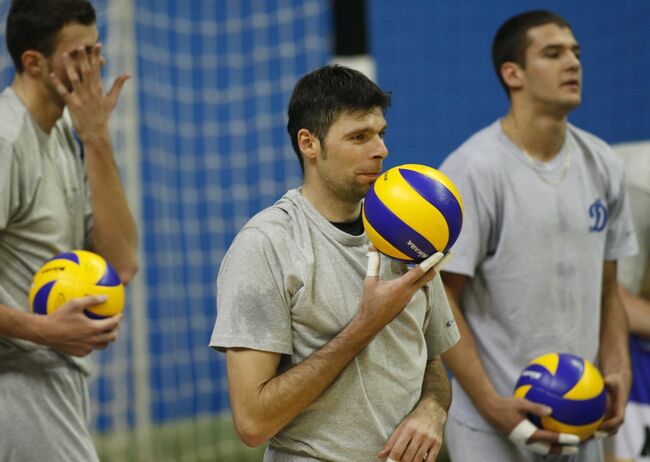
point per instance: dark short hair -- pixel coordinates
(511, 40)
(34, 24)
(321, 96)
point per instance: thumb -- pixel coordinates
(537, 409)
(115, 90)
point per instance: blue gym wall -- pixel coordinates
(435, 57)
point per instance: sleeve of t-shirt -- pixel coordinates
(441, 332)
(621, 239)
(253, 310)
(477, 236)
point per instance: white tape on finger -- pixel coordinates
(568, 438)
(443, 261)
(430, 262)
(539, 447)
(569, 450)
(522, 432)
(373, 264)
(599, 435)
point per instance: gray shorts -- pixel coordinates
(469, 444)
(44, 415)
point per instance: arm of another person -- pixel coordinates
(114, 232)
(637, 309)
(419, 436)
(614, 353)
(68, 330)
(263, 401)
(503, 412)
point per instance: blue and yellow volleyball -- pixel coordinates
(411, 212)
(72, 275)
(571, 386)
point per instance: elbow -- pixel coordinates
(251, 432)
(128, 271)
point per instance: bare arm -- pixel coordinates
(614, 354)
(68, 330)
(419, 436)
(263, 402)
(638, 312)
(114, 232)
(503, 412)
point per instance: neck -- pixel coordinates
(330, 207)
(39, 101)
(540, 135)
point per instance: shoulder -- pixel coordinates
(478, 151)
(271, 220)
(13, 116)
(594, 145)
(271, 226)
(597, 152)
(480, 159)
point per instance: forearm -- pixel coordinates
(274, 403)
(18, 324)
(114, 232)
(614, 353)
(467, 368)
(436, 389)
(638, 312)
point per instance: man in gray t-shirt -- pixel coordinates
(59, 191)
(333, 353)
(546, 218)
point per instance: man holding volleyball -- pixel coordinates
(59, 190)
(332, 351)
(546, 219)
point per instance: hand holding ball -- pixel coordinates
(75, 274)
(571, 386)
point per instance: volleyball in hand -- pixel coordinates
(411, 212)
(72, 275)
(571, 386)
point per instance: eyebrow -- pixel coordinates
(558, 46)
(366, 128)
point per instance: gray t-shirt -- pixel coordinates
(534, 250)
(290, 282)
(44, 210)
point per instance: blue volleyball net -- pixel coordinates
(200, 137)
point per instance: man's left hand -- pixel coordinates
(417, 438)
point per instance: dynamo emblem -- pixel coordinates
(598, 215)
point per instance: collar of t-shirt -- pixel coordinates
(355, 228)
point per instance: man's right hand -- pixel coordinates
(381, 301)
(69, 331)
(509, 415)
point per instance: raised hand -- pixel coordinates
(89, 106)
(381, 300)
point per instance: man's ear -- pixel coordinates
(34, 63)
(309, 144)
(512, 74)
